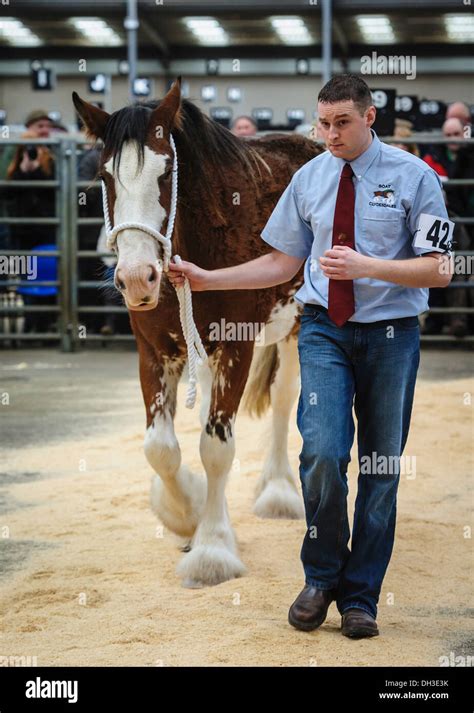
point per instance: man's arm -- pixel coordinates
(269, 270)
(430, 270)
(416, 272)
(288, 234)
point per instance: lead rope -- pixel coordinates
(196, 352)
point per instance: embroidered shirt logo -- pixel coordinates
(384, 197)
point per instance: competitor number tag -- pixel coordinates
(434, 233)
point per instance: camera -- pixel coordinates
(32, 152)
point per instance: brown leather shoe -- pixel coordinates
(357, 624)
(310, 607)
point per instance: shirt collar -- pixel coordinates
(361, 164)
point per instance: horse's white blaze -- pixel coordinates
(279, 324)
(137, 199)
(137, 192)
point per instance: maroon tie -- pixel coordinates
(341, 292)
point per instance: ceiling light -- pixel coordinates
(96, 30)
(207, 30)
(460, 28)
(16, 33)
(376, 28)
(291, 30)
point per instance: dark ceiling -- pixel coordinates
(417, 27)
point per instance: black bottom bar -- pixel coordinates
(109, 689)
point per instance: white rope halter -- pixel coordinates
(196, 352)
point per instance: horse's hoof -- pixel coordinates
(207, 565)
(279, 500)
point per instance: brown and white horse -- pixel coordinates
(227, 190)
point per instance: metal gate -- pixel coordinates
(66, 222)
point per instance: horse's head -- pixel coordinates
(136, 166)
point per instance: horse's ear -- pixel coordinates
(168, 113)
(94, 119)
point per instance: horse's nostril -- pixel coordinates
(153, 274)
(120, 285)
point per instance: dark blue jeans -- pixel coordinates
(373, 368)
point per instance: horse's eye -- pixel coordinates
(164, 176)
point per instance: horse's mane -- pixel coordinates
(204, 147)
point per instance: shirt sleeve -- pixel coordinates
(428, 199)
(286, 230)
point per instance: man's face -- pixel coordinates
(453, 128)
(41, 128)
(345, 131)
(244, 127)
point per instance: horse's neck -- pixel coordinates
(198, 231)
(182, 236)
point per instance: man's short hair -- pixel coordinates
(344, 87)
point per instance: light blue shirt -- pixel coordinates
(392, 189)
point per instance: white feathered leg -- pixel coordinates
(276, 492)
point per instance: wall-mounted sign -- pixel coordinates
(208, 93)
(384, 102)
(295, 116)
(222, 114)
(234, 94)
(42, 79)
(263, 116)
(142, 86)
(98, 83)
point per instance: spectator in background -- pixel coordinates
(33, 163)
(244, 126)
(459, 110)
(58, 129)
(403, 131)
(39, 124)
(454, 161)
(442, 157)
(461, 198)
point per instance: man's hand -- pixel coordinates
(198, 278)
(27, 165)
(344, 263)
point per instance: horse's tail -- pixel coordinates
(256, 397)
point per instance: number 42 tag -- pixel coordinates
(434, 233)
